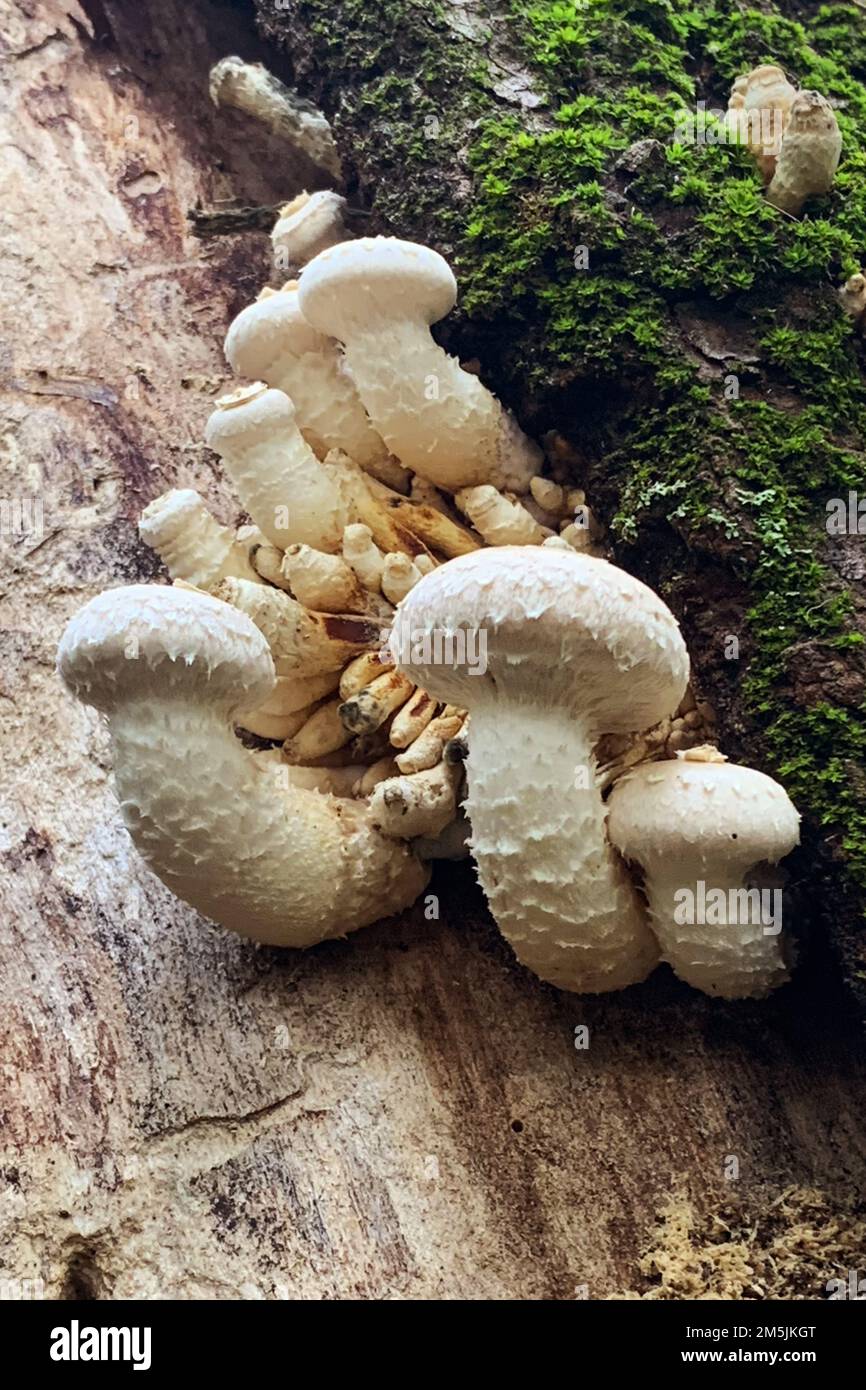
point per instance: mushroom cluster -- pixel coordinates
(290, 718)
(793, 135)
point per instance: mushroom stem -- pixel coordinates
(279, 480)
(190, 542)
(538, 833)
(379, 296)
(285, 866)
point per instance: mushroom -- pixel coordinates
(271, 341)
(574, 648)
(852, 296)
(310, 223)
(422, 803)
(324, 582)
(379, 296)
(279, 480)
(764, 110)
(809, 154)
(190, 542)
(697, 828)
(498, 519)
(171, 668)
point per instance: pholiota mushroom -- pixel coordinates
(697, 825)
(379, 296)
(279, 480)
(271, 341)
(565, 648)
(251, 850)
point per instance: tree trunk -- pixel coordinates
(406, 1113)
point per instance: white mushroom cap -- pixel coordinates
(266, 331)
(559, 626)
(141, 640)
(245, 412)
(309, 223)
(372, 278)
(704, 814)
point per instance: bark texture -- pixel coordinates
(404, 1114)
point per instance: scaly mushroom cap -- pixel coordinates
(271, 328)
(557, 625)
(142, 640)
(704, 813)
(373, 278)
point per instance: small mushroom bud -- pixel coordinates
(420, 804)
(697, 828)
(398, 576)
(367, 711)
(852, 296)
(321, 733)
(364, 556)
(310, 223)
(379, 296)
(428, 748)
(498, 520)
(549, 495)
(362, 672)
(411, 721)
(323, 582)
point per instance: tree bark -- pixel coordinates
(404, 1114)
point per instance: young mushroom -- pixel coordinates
(191, 543)
(310, 223)
(279, 480)
(697, 826)
(271, 341)
(809, 154)
(379, 296)
(573, 648)
(172, 668)
(760, 109)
